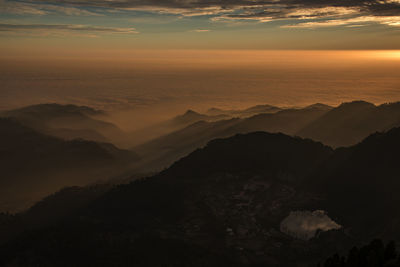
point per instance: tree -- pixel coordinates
(353, 257)
(334, 261)
(390, 251)
(375, 254)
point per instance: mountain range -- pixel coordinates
(248, 112)
(288, 187)
(67, 122)
(222, 205)
(344, 125)
(34, 165)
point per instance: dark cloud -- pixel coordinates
(379, 6)
(257, 10)
(160, 3)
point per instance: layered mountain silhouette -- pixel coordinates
(349, 123)
(168, 141)
(163, 151)
(191, 204)
(244, 112)
(33, 164)
(163, 128)
(67, 122)
(224, 204)
(344, 125)
(222, 200)
(190, 117)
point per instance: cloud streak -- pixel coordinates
(352, 22)
(23, 8)
(61, 30)
(201, 30)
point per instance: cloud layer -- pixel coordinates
(245, 10)
(290, 14)
(305, 224)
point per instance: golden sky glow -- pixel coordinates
(125, 53)
(204, 24)
(182, 79)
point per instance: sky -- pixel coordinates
(172, 55)
(39, 26)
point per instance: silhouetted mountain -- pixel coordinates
(245, 112)
(177, 123)
(223, 205)
(288, 121)
(351, 122)
(67, 122)
(191, 116)
(224, 202)
(65, 203)
(357, 185)
(33, 164)
(345, 125)
(163, 151)
(364, 179)
(319, 106)
(256, 152)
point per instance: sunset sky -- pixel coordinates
(183, 54)
(39, 26)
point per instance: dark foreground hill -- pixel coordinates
(365, 179)
(33, 164)
(219, 206)
(248, 200)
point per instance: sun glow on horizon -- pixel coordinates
(385, 54)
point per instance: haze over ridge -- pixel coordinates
(168, 82)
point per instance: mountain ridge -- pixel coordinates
(37, 164)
